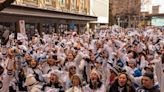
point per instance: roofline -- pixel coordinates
(46, 13)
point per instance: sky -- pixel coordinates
(148, 6)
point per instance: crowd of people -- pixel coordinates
(106, 60)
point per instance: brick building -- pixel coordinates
(124, 12)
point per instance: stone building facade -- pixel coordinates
(124, 12)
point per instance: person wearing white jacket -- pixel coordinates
(76, 84)
(160, 74)
(95, 84)
(4, 80)
(32, 84)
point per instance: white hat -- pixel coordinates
(56, 72)
(23, 47)
(61, 58)
(116, 69)
(70, 64)
(96, 72)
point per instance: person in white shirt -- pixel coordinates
(4, 80)
(95, 84)
(76, 84)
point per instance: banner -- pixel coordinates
(22, 27)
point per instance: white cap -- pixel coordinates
(23, 47)
(70, 64)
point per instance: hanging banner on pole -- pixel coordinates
(22, 27)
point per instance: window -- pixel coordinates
(62, 28)
(155, 9)
(74, 3)
(30, 30)
(62, 2)
(48, 28)
(6, 27)
(30, 2)
(67, 4)
(48, 2)
(82, 4)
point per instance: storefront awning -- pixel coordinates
(44, 13)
